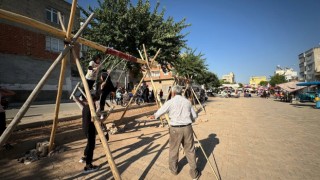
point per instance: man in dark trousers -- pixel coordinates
(90, 131)
(106, 88)
(181, 114)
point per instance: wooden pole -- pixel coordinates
(153, 87)
(81, 91)
(74, 90)
(174, 82)
(60, 34)
(136, 90)
(61, 22)
(125, 110)
(62, 75)
(198, 100)
(31, 97)
(204, 153)
(71, 19)
(151, 80)
(96, 122)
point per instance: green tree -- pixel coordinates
(263, 83)
(277, 79)
(240, 85)
(209, 79)
(190, 65)
(222, 81)
(124, 26)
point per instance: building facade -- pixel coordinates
(255, 80)
(229, 78)
(289, 73)
(309, 64)
(162, 79)
(26, 53)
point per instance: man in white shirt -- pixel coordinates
(181, 114)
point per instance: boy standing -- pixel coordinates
(90, 132)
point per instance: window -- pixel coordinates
(155, 73)
(54, 44)
(52, 15)
(83, 50)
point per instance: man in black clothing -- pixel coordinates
(106, 88)
(90, 131)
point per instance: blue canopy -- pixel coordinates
(309, 83)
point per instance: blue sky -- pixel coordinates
(247, 37)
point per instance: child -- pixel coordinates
(90, 132)
(92, 71)
(118, 96)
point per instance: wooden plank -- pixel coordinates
(96, 122)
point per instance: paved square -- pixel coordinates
(245, 138)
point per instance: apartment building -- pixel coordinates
(255, 80)
(26, 53)
(309, 64)
(229, 78)
(289, 73)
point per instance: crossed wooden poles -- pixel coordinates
(71, 40)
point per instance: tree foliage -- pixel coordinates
(190, 65)
(277, 79)
(263, 83)
(124, 26)
(209, 79)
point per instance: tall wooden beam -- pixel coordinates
(71, 19)
(60, 34)
(62, 72)
(96, 122)
(151, 80)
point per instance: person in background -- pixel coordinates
(146, 94)
(112, 96)
(4, 92)
(118, 97)
(161, 94)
